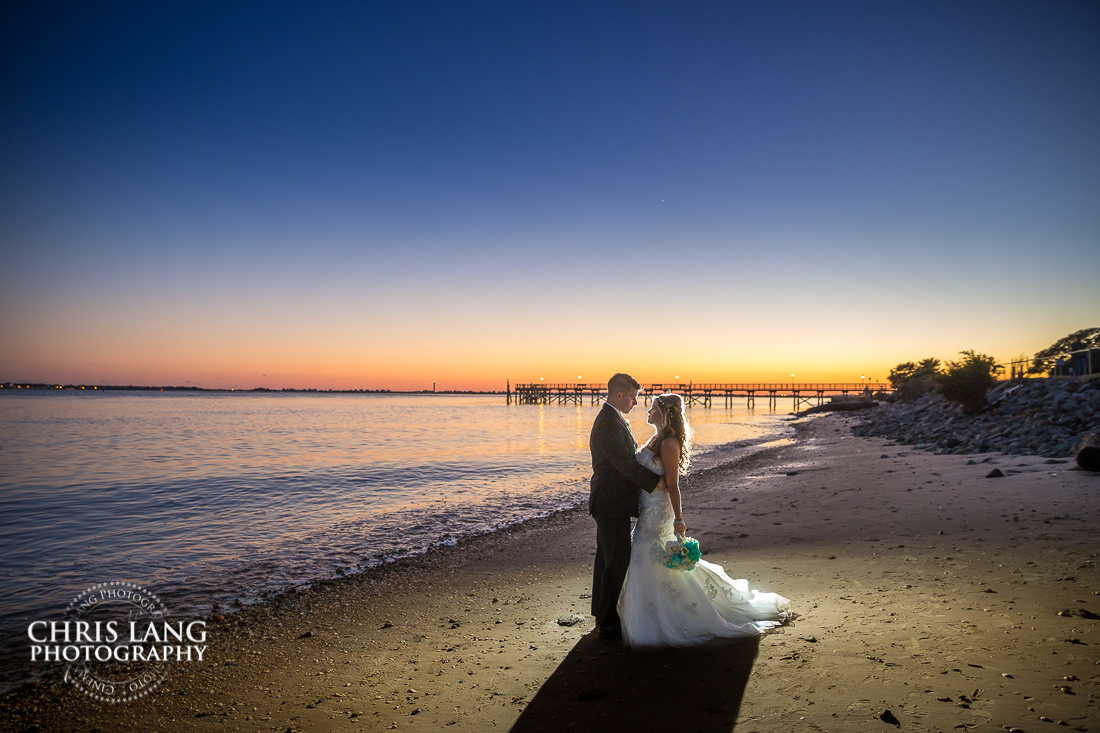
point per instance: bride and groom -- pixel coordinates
(635, 596)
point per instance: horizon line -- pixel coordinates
(23, 385)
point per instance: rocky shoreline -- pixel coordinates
(1044, 417)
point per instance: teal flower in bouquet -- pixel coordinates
(682, 554)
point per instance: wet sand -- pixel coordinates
(930, 598)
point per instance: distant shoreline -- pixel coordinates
(40, 386)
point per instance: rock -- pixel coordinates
(995, 473)
(1079, 612)
(1088, 454)
(571, 620)
(888, 717)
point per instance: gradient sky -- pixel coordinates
(387, 194)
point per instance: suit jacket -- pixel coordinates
(616, 474)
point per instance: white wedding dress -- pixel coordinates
(660, 607)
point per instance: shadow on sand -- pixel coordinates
(604, 686)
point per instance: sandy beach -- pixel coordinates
(929, 598)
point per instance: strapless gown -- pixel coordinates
(662, 608)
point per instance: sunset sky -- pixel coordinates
(387, 194)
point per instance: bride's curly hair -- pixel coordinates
(676, 426)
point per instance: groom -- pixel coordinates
(617, 478)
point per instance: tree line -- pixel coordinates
(966, 380)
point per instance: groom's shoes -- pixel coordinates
(611, 632)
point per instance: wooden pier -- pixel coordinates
(706, 395)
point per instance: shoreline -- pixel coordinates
(346, 514)
(908, 570)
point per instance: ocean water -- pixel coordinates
(210, 499)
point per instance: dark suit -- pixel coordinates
(613, 497)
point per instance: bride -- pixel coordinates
(660, 607)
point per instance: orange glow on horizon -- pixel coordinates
(459, 376)
(482, 357)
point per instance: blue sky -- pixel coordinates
(214, 191)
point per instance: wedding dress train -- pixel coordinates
(660, 607)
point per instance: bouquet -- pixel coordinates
(682, 553)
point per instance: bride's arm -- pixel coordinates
(661, 485)
(670, 459)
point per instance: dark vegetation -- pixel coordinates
(967, 380)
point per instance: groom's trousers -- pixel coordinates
(609, 570)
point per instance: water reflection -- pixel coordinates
(213, 496)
